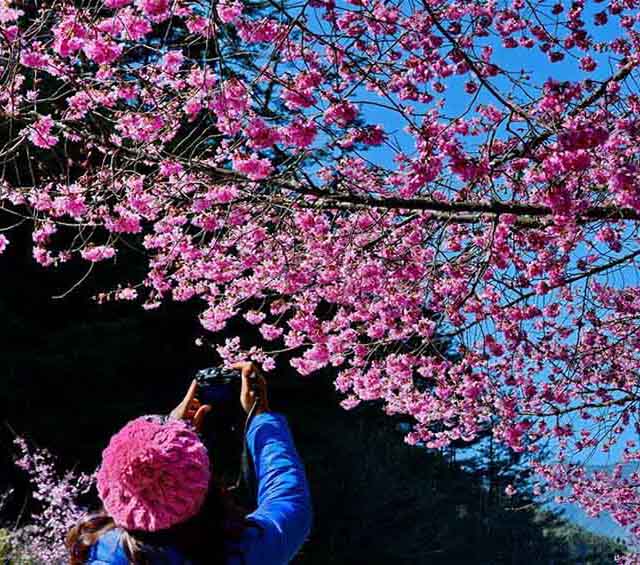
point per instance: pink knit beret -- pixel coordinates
(153, 475)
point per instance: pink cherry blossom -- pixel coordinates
(172, 61)
(270, 332)
(97, 253)
(260, 135)
(341, 113)
(300, 134)
(154, 8)
(101, 51)
(229, 11)
(252, 166)
(40, 134)
(254, 317)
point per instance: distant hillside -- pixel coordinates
(602, 525)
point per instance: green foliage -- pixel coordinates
(9, 553)
(4, 545)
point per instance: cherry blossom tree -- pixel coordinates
(363, 181)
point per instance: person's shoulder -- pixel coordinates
(108, 549)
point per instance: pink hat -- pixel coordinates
(153, 475)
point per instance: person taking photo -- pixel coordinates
(163, 503)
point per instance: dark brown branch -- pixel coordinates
(594, 213)
(460, 212)
(625, 401)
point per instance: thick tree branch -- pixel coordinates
(464, 208)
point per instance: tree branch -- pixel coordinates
(464, 208)
(538, 140)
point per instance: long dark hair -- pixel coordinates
(200, 539)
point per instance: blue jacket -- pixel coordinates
(284, 504)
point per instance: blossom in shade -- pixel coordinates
(270, 332)
(260, 135)
(97, 253)
(102, 51)
(40, 133)
(157, 8)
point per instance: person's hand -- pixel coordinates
(190, 408)
(254, 388)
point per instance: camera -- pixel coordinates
(217, 386)
(222, 430)
(224, 426)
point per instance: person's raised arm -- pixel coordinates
(284, 503)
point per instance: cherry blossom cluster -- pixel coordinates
(437, 202)
(41, 539)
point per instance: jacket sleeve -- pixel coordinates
(284, 510)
